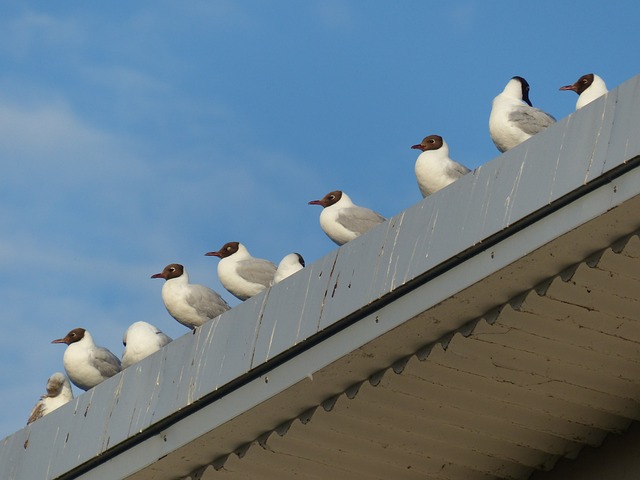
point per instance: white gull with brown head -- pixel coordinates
(190, 304)
(342, 220)
(86, 363)
(588, 87)
(434, 168)
(241, 274)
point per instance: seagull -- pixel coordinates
(342, 220)
(86, 363)
(513, 120)
(289, 265)
(434, 169)
(140, 340)
(190, 304)
(588, 87)
(241, 274)
(58, 393)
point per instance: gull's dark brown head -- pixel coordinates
(329, 199)
(173, 270)
(581, 85)
(432, 142)
(73, 336)
(227, 250)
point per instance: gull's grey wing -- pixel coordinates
(359, 219)
(206, 301)
(457, 170)
(106, 362)
(257, 270)
(531, 120)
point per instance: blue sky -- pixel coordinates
(152, 132)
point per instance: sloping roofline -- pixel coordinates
(314, 336)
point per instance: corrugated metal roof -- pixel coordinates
(505, 302)
(552, 370)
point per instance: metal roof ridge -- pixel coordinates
(421, 354)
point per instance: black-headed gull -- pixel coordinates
(342, 220)
(58, 393)
(241, 274)
(588, 87)
(513, 120)
(87, 364)
(289, 265)
(141, 340)
(190, 304)
(434, 169)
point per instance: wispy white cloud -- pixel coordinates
(41, 131)
(32, 30)
(110, 173)
(334, 13)
(125, 79)
(462, 16)
(211, 14)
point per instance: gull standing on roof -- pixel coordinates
(87, 364)
(434, 169)
(289, 265)
(513, 120)
(342, 220)
(588, 87)
(141, 340)
(190, 304)
(58, 393)
(240, 273)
